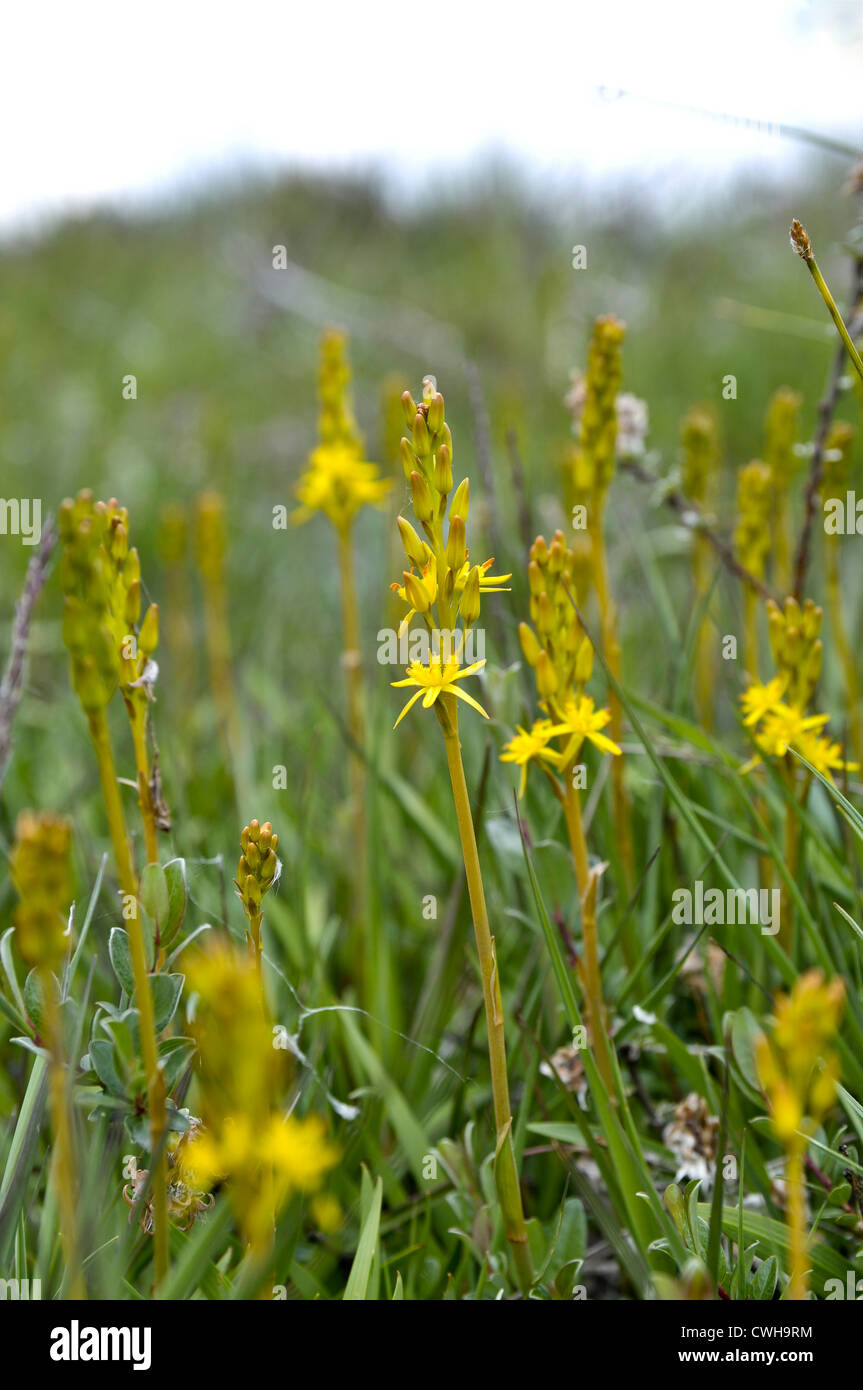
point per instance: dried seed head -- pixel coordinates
(800, 240)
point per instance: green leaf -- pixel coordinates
(101, 1054)
(166, 996)
(772, 1237)
(175, 1054)
(745, 1030)
(121, 959)
(764, 1279)
(9, 969)
(178, 897)
(154, 894)
(357, 1287)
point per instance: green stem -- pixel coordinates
(835, 314)
(506, 1173)
(592, 977)
(63, 1167)
(143, 996)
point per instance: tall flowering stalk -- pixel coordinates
(211, 544)
(561, 656)
(781, 457)
(700, 465)
(257, 871)
(777, 715)
(39, 865)
(338, 482)
(837, 473)
(799, 1070)
(264, 1156)
(92, 546)
(442, 588)
(593, 469)
(752, 546)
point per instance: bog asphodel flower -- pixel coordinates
(436, 679)
(561, 656)
(338, 480)
(39, 865)
(442, 587)
(529, 744)
(799, 1069)
(776, 710)
(266, 1157)
(562, 659)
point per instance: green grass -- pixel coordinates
(224, 351)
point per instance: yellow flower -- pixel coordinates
(525, 746)
(427, 582)
(299, 1151)
(797, 1067)
(338, 483)
(784, 725)
(582, 721)
(824, 755)
(487, 581)
(759, 699)
(438, 678)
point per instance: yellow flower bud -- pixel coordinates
(529, 644)
(422, 498)
(415, 549)
(469, 605)
(456, 544)
(461, 501)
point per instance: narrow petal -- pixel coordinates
(463, 695)
(411, 702)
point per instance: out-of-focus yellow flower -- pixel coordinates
(39, 865)
(338, 483)
(784, 726)
(754, 506)
(796, 646)
(758, 699)
(436, 679)
(823, 753)
(265, 1156)
(797, 1067)
(338, 480)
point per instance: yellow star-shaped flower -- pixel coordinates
(583, 721)
(525, 746)
(436, 679)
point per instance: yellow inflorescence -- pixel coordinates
(338, 481)
(754, 511)
(776, 710)
(796, 647)
(39, 865)
(266, 1156)
(797, 1066)
(700, 441)
(101, 579)
(781, 435)
(561, 656)
(594, 459)
(256, 873)
(441, 587)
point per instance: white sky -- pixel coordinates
(106, 100)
